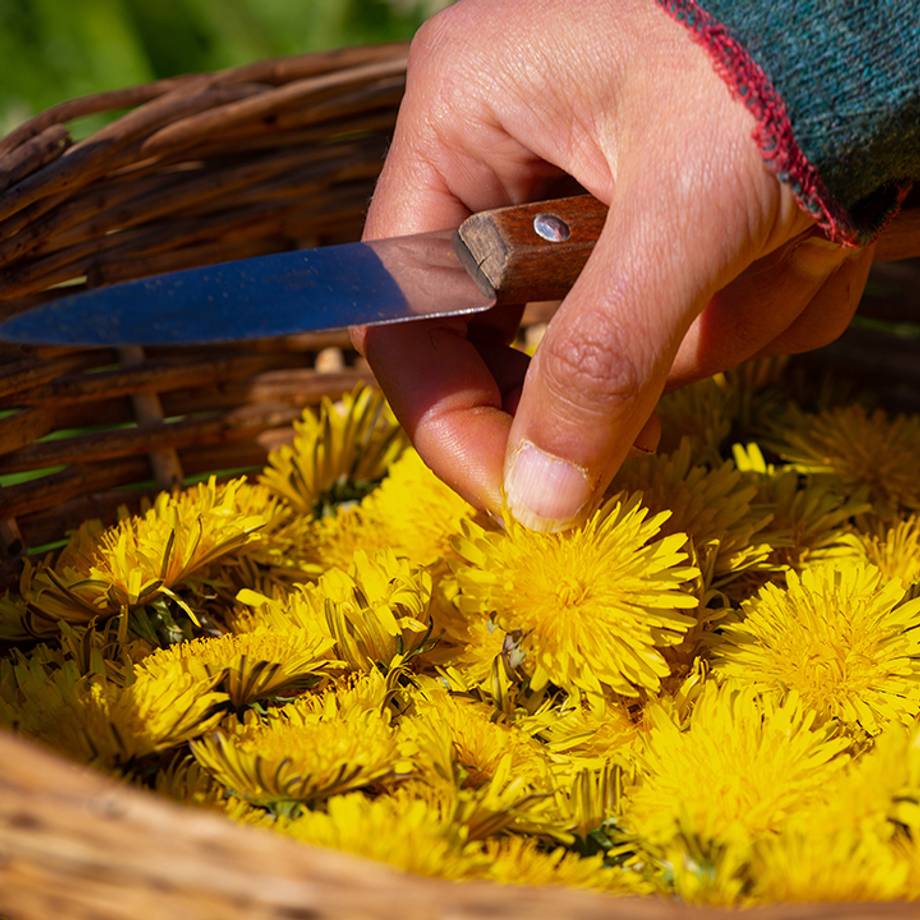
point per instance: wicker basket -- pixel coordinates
(194, 170)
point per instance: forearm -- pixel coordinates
(835, 89)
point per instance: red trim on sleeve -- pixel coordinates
(774, 135)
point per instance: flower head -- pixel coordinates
(593, 607)
(478, 743)
(102, 572)
(840, 636)
(810, 521)
(378, 611)
(408, 833)
(856, 449)
(737, 770)
(814, 865)
(251, 666)
(591, 731)
(714, 507)
(411, 512)
(337, 455)
(523, 861)
(312, 749)
(894, 549)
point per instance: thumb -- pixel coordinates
(601, 367)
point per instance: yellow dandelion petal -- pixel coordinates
(878, 794)
(856, 449)
(700, 414)
(162, 710)
(810, 522)
(15, 620)
(587, 799)
(419, 512)
(839, 636)
(337, 455)
(469, 644)
(508, 803)
(592, 730)
(593, 607)
(45, 696)
(300, 607)
(739, 768)
(714, 873)
(185, 781)
(95, 719)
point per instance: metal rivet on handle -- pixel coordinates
(551, 228)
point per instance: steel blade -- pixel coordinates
(313, 290)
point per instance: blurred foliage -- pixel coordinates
(57, 49)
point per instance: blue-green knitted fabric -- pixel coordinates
(847, 74)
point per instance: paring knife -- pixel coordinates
(507, 256)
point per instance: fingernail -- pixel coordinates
(545, 492)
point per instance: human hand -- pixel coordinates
(705, 259)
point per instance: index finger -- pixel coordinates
(442, 386)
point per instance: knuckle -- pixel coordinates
(428, 44)
(592, 368)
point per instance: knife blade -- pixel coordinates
(509, 255)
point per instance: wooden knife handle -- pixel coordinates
(531, 252)
(535, 252)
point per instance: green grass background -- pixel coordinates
(53, 50)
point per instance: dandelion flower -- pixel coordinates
(478, 742)
(856, 449)
(15, 620)
(701, 414)
(714, 507)
(305, 755)
(893, 549)
(251, 666)
(740, 767)
(809, 525)
(469, 642)
(595, 606)
(877, 794)
(412, 512)
(588, 799)
(849, 865)
(523, 861)
(338, 455)
(592, 730)
(378, 612)
(96, 720)
(839, 636)
(145, 556)
(697, 871)
(302, 606)
(408, 833)
(162, 710)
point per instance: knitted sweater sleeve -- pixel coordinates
(835, 89)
